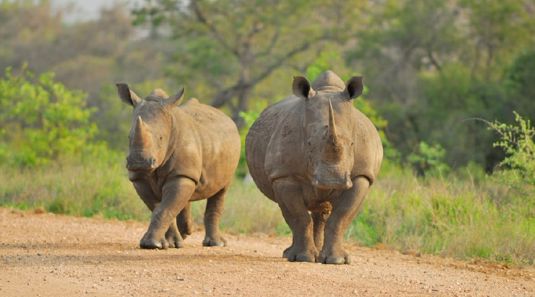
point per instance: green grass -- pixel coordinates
(464, 215)
(449, 216)
(90, 189)
(246, 211)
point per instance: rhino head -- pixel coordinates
(152, 124)
(328, 128)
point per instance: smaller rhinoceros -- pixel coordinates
(316, 156)
(177, 154)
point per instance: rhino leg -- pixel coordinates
(344, 210)
(212, 215)
(173, 237)
(146, 194)
(290, 198)
(176, 194)
(184, 222)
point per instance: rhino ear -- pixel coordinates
(128, 96)
(354, 87)
(176, 99)
(301, 87)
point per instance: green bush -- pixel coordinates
(41, 120)
(517, 141)
(429, 159)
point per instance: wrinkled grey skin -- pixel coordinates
(316, 156)
(177, 154)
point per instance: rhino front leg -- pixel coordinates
(144, 190)
(176, 193)
(212, 216)
(173, 237)
(290, 198)
(179, 228)
(344, 210)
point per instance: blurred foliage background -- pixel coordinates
(449, 85)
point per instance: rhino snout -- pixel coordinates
(332, 182)
(139, 164)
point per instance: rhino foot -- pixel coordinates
(342, 258)
(173, 238)
(175, 242)
(296, 255)
(214, 241)
(151, 243)
(286, 252)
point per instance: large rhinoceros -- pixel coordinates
(316, 156)
(177, 154)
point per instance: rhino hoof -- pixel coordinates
(335, 260)
(303, 258)
(151, 244)
(175, 243)
(287, 251)
(299, 256)
(214, 242)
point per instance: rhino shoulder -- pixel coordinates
(368, 147)
(283, 155)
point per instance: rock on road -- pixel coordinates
(55, 255)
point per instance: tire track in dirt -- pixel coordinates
(54, 255)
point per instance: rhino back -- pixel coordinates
(213, 138)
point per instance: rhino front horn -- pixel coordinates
(141, 133)
(332, 125)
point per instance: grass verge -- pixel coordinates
(466, 215)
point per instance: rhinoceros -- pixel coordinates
(177, 154)
(316, 155)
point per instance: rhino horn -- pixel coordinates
(333, 149)
(141, 133)
(332, 126)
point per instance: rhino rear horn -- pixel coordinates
(176, 99)
(127, 95)
(354, 87)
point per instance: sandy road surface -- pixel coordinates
(52, 255)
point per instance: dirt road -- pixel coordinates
(53, 255)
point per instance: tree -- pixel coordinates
(236, 45)
(434, 66)
(91, 56)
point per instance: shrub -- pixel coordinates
(429, 159)
(41, 120)
(517, 141)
